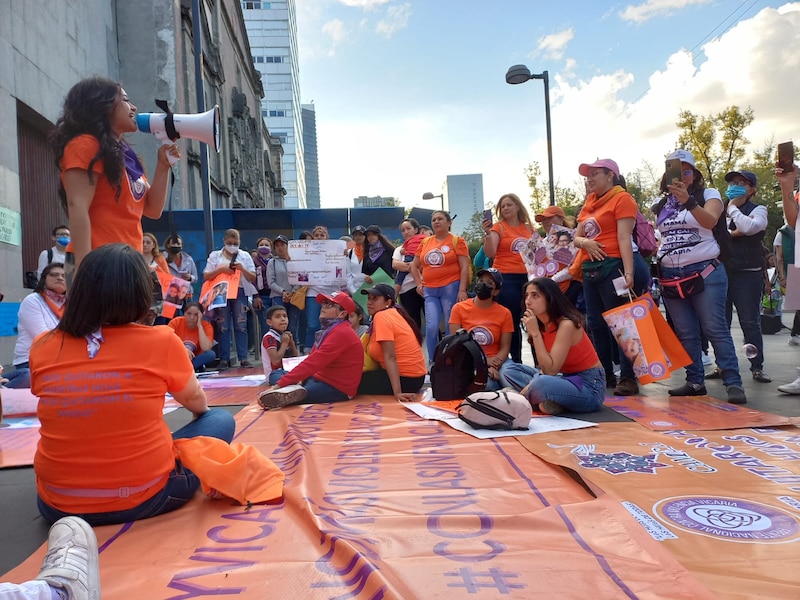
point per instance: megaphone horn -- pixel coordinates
(168, 127)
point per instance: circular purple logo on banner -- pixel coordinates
(639, 312)
(730, 519)
(657, 369)
(539, 271)
(551, 267)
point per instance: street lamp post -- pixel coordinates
(430, 196)
(521, 74)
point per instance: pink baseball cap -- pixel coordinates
(600, 163)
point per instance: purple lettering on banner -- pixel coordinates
(192, 590)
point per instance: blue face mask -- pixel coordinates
(735, 191)
(62, 240)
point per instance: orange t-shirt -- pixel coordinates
(439, 260)
(114, 220)
(389, 326)
(512, 239)
(102, 423)
(486, 324)
(599, 217)
(580, 357)
(190, 336)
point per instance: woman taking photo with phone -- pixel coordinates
(694, 283)
(503, 242)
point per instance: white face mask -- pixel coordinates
(232, 248)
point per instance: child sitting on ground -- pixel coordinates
(277, 343)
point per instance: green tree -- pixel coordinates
(474, 232)
(566, 198)
(716, 141)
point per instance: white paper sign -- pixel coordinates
(317, 262)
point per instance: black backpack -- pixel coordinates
(459, 367)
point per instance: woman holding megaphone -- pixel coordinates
(103, 186)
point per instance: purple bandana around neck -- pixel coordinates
(671, 208)
(375, 251)
(135, 171)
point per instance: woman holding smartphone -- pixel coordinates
(502, 243)
(686, 215)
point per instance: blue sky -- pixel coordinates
(409, 92)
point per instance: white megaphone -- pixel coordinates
(169, 126)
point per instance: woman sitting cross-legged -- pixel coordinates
(395, 343)
(105, 453)
(332, 371)
(558, 337)
(196, 334)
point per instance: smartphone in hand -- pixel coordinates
(487, 215)
(786, 156)
(674, 170)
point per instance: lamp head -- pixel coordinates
(429, 196)
(518, 74)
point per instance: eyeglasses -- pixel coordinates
(328, 305)
(688, 172)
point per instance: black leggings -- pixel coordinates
(377, 382)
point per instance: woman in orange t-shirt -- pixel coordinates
(605, 227)
(104, 190)
(105, 453)
(395, 342)
(152, 255)
(441, 271)
(503, 242)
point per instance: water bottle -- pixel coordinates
(750, 351)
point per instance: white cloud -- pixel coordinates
(639, 13)
(336, 32)
(554, 44)
(750, 65)
(365, 4)
(396, 18)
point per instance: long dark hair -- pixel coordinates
(112, 287)
(407, 317)
(387, 245)
(558, 305)
(40, 286)
(86, 111)
(696, 190)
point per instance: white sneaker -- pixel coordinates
(280, 397)
(707, 360)
(791, 388)
(71, 562)
(794, 340)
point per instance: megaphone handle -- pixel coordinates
(172, 159)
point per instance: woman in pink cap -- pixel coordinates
(605, 226)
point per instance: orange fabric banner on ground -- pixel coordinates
(726, 504)
(663, 413)
(381, 504)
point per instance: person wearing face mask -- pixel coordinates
(332, 371)
(180, 263)
(56, 254)
(234, 314)
(747, 222)
(262, 301)
(491, 324)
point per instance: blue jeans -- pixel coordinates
(510, 296)
(202, 359)
(600, 297)
(319, 392)
(180, 487)
(234, 311)
(312, 321)
(744, 292)
(438, 303)
(580, 392)
(704, 313)
(275, 375)
(19, 378)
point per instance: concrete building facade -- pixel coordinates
(464, 195)
(311, 157)
(272, 32)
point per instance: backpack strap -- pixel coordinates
(478, 361)
(490, 411)
(49, 255)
